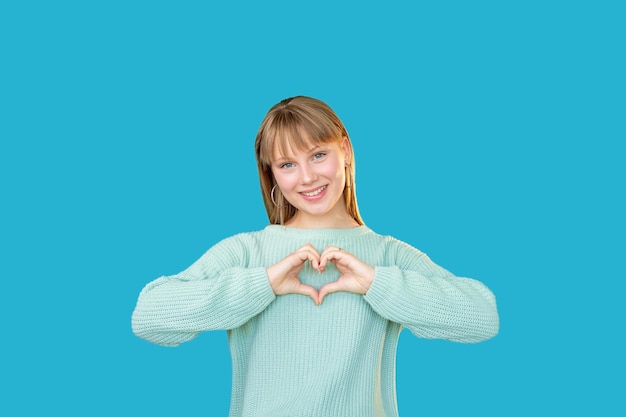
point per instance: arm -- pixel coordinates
(430, 301)
(218, 291)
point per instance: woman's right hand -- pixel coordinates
(283, 275)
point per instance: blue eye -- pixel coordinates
(319, 155)
(286, 165)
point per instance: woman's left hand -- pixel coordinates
(356, 276)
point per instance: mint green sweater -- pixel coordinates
(291, 358)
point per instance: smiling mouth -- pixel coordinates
(314, 193)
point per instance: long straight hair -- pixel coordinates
(299, 123)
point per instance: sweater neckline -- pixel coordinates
(321, 232)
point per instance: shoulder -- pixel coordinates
(395, 248)
(241, 240)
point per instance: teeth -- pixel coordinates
(316, 192)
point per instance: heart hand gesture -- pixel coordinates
(356, 276)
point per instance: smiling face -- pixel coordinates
(305, 158)
(313, 181)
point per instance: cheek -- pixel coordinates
(283, 180)
(334, 170)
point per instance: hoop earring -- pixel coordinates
(272, 197)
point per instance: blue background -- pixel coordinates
(488, 134)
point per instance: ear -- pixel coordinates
(347, 150)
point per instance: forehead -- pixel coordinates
(287, 148)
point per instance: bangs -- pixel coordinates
(292, 131)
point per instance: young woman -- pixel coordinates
(314, 303)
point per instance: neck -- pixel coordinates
(301, 221)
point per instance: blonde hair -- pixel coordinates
(297, 123)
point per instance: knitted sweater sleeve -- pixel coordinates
(219, 291)
(430, 301)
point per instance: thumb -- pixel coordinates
(308, 291)
(329, 288)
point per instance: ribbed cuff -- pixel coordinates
(381, 290)
(259, 289)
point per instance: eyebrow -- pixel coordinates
(283, 159)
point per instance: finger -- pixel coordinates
(308, 247)
(324, 256)
(331, 253)
(308, 291)
(333, 250)
(311, 254)
(329, 289)
(329, 249)
(301, 256)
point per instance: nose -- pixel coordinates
(307, 175)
